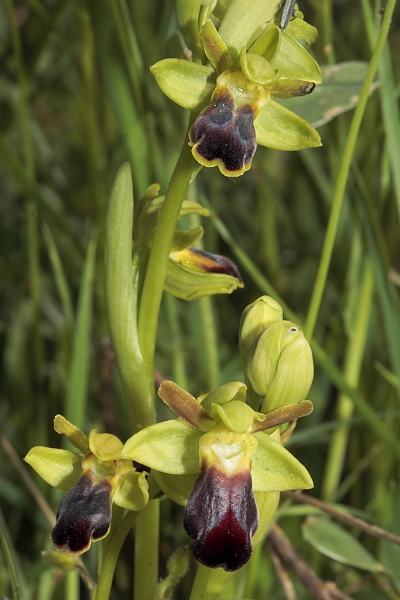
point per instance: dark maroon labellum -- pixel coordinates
(221, 515)
(84, 515)
(226, 133)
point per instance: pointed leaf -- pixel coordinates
(334, 541)
(274, 469)
(188, 84)
(59, 468)
(171, 447)
(279, 128)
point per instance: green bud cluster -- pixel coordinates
(277, 357)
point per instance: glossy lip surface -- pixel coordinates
(221, 515)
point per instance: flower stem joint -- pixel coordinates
(96, 478)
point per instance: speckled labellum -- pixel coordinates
(84, 515)
(221, 515)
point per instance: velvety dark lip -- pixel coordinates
(84, 515)
(221, 515)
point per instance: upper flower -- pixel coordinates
(247, 69)
(95, 479)
(223, 439)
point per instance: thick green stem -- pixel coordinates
(146, 552)
(111, 556)
(157, 266)
(345, 406)
(343, 174)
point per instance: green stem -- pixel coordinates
(72, 585)
(343, 174)
(345, 406)
(209, 583)
(158, 261)
(111, 556)
(178, 358)
(146, 552)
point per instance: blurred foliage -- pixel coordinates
(76, 100)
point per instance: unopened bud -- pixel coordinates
(280, 366)
(257, 317)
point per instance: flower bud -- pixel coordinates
(280, 365)
(255, 319)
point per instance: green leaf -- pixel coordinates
(338, 93)
(59, 468)
(190, 284)
(188, 84)
(170, 447)
(332, 540)
(274, 469)
(279, 128)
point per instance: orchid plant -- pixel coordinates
(223, 458)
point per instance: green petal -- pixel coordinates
(190, 284)
(133, 492)
(170, 447)
(59, 468)
(188, 84)
(185, 406)
(176, 487)
(215, 49)
(75, 435)
(243, 22)
(279, 128)
(294, 62)
(274, 469)
(105, 446)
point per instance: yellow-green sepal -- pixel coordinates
(188, 283)
(170, 447)
(75, 435)
(301, 30)
(274, 469)
(294, 62)
(214, 47)
(59, 468)
(187, 83)
(243, 22)
(176, 487)
(105, 446)
(279, 128)
(132, 490)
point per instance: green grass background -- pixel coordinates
(76, 100)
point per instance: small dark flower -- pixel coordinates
(84, 515)
(221, 515)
